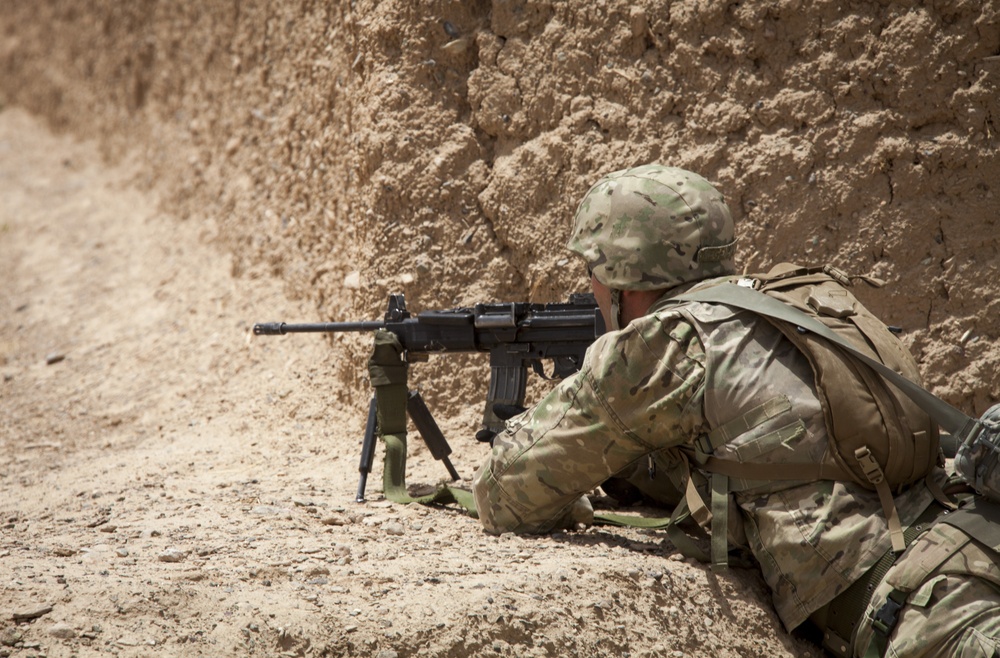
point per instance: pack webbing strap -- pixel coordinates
(727, 432)
(720, 522)
(627, 521)
(875, 475)
(947, 416)
(690, 506)
(979, 519)
(699, 512)
(785, 471)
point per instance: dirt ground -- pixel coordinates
(170, 485)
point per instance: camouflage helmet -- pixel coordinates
(978, 458)
(654, 227)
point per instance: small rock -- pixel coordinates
(32, 613)
(394, 528)
(62, 631)
(269, 510)
(98, 553)
(54, 357)
(172, 555)
(62, 551)
(10, 636)
(337, 519)
(352, 280)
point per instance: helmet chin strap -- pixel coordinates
(616, 309)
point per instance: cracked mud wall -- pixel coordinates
(439, 148)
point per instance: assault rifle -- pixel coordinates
(516, 335)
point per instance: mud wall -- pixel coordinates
(438, 148)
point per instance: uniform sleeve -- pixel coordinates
(639, 391)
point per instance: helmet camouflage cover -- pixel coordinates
(654, 227)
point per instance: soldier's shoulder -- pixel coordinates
(643, 344)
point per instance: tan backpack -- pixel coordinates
(879, 437)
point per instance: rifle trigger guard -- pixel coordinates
(539, 369)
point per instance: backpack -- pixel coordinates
(877, 438)
(977, 458)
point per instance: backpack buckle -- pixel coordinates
(869, 465)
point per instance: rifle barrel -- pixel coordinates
(282, 328)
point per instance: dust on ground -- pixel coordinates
(170, 485)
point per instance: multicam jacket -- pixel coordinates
(647, 393)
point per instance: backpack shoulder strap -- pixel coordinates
(947, 416)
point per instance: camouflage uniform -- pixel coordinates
(647, 393)
(952, 606)
(650, 391)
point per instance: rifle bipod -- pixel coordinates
(387, 369)
(426, 426)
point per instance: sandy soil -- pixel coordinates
(170, 485)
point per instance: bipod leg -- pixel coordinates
(429, 431)
(367, 450)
